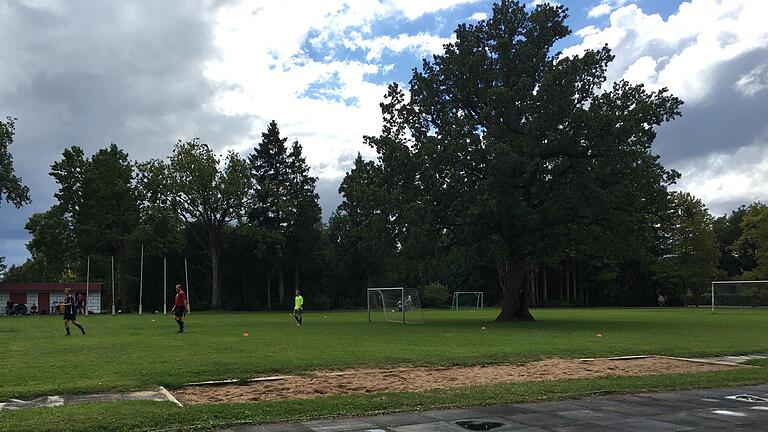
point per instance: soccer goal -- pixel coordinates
(739, 294)
(396, 304)
(467, 300)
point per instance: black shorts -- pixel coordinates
(70, 316)
(179, 312)
(298, 311)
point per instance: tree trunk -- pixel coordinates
(216, 293)
(280, 285)
(296, 278)
(567, 284)
(544, 283)
(514, 305)
(269, 291)
(573, 274)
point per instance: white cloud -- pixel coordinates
(726, 180)
(753, 82)
(605, 7)
(413, 9)
(687, 47)
(269, 77)
(599, 10)
(421, 44)
(478, 16)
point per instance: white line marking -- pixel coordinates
(170, 396)
(729, 413)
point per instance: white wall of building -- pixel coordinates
(4, 296)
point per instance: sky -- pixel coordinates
(145, 73)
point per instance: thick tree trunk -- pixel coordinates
(280, 285)
(514, 305)
(269, 292)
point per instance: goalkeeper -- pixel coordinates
(298, 307)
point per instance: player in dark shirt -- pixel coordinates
(70, 312)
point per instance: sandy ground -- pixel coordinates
(414, 379)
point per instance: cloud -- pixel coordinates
(421, 44)
(414, 9)
(727, 180)
(84, 73)
(145, 73)
(605, 7)
(478, 16)
(712, 55)
(753, 82)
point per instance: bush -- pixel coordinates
(435, 295)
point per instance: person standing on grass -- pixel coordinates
(80, 304)
(298, 306)
(70, 312)
(180, 308)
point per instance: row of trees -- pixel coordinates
(505, 169)
(194, 204)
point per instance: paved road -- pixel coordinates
(699, 410)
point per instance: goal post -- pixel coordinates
(394, 304)
(468, 299)
(739, 294)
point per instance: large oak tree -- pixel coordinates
(504, 142)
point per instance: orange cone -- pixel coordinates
(246, 334)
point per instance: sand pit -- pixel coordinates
(354, 381)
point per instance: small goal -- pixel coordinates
(739, 294)
(467, 300)
(394, 304)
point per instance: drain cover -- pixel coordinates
(748, 398)
(478, 425)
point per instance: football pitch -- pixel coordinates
(141, 352)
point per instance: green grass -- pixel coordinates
(129, 352)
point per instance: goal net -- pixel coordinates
(397, 304)
(739, 294)
(467, 300)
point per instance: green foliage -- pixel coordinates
(284, 208)
(207, 198)
(506, 149)
(689, 252)
(435, 295)
(753, 240)
(11, 187)
(362, 227)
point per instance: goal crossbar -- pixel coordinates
(479, 303)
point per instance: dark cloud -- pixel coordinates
(724, 121)
(88, 73)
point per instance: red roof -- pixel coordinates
(46, 287)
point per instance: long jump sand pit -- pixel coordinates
(373, 380)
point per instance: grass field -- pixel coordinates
(131, 352)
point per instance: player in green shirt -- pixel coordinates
(298, 306)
